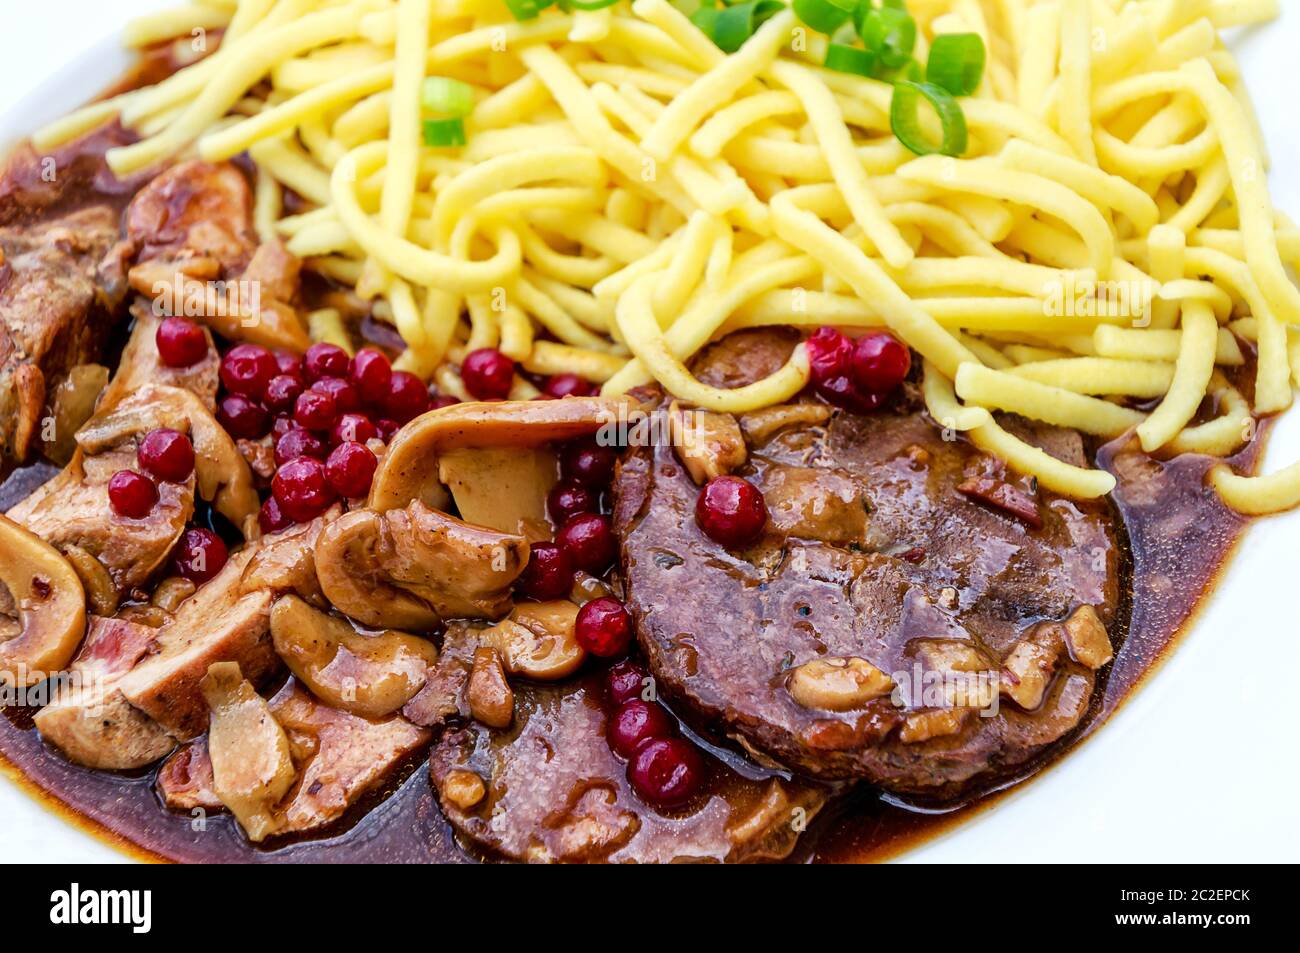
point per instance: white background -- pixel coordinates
(1202, 765)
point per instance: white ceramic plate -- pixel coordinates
(1202, 764)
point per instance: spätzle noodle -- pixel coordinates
(628, 192)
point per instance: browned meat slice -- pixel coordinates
(194, 210)
(338, 759)
(198, 256)
(73, 510)
(549, 789)
(150, 677)
(876, 578)
(62, 284)
(141, 365)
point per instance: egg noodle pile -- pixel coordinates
(627, 192)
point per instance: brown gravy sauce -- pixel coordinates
(1179, 538)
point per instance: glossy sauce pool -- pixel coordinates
(1178, 539)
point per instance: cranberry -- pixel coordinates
(346, 398)
(282, 425)
(488, 374)
(302, 489)
(588, 463)
(830, 359)
(350, 469)
(326, 360)
(666, 772)
(589, 541)
(282, 391)
(132, 495)
(247, 369)
(568, 385)
(299, 443)
(387, 429)
(289, 363)
(604, 627)
(439, 401)
(272, 518)
(549, 573)
(315, 411)
(731, 511)
(880, 362)
(166, 455)
(200, 555)
(371, 373)
(567, 500)
(181, 342)
(624, 681)
(635, 722)
(407, 397)
(356, 428)
(242, 418)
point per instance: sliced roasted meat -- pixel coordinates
(285, 562)
(140, 365)
(408, 569)
(221, 474)
(148, 678)
(194, 210)
(548, 789)
(72, 512)
(338, 758)
(62, 285)
(812, 647)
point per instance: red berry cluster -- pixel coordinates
(321, 410)
(663, 769)
(856, 375)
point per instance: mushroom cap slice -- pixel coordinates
(221, 473)
(252, 768)
(42, 607)
(410, 568)
(367, 675)
(409, 470)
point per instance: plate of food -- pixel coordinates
(442, 431)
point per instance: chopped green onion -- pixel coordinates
(956, 62)
(905, 118)
(851, 59)
(731, 26)
(527, 9)
(590, 4)
(825, 16)
(450, 97)
(890, 33)
(444, 132)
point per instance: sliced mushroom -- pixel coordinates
(221, 473)
(708, 444)
(407, 569)
(74, 402)
(838, 684)
(1027, 670)
(938, 723)
(286, 562)
(502, 488)
(101, 592)
(409, 471)
(251, 765)
(537, 641)
(1086, 637)
(464, 789)
(367, 675)
(42, 607)
(491, 701)
(760, 425)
